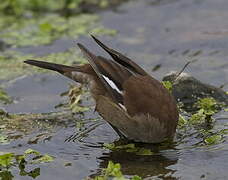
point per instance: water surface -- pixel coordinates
(162, 33)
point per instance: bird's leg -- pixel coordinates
(121, 135)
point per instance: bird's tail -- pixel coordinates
(52, 66)
(77, 73)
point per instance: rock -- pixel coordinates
(188, 90)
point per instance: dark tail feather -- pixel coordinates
(93, 62)
(51, 66)
(120, 58)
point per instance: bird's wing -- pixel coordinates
(101, 66)
(121, 59)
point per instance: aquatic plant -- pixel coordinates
(113, 170)
(9, 161)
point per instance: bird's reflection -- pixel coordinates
(156, 165)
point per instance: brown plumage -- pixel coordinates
(135, 104)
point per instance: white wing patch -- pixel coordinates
(112, 84)
(122, 106)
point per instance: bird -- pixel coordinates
(136, 105)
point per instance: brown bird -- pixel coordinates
(136, 105)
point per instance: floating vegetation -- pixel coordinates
(45, 29)
(207, 107)
(9, 161)
(4, 98)
(69, 57)
(75, 94)
(203, 123)
(3, 137)
(131, 148)
(20, 8)
(113, 170)
(168, 85)
(214, 139)
(28, 123)
(12, 62)
(182, 120)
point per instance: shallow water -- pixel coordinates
(153, 32)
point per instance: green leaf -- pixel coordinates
(198, 117)
(6, 175)
(182, 121)
(113, 169)
(31, 151)
(209, 105)
(34, 173)
(43, 159)
(6, 159)
(136, 178)
(214, 139)
(168, 85)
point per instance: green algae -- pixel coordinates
(27, 123)
(12, 64)
(68, 57)
(45, 29)
(24, 124)
(20, 8)
(4, 98)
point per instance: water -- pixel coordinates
(162, 33)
